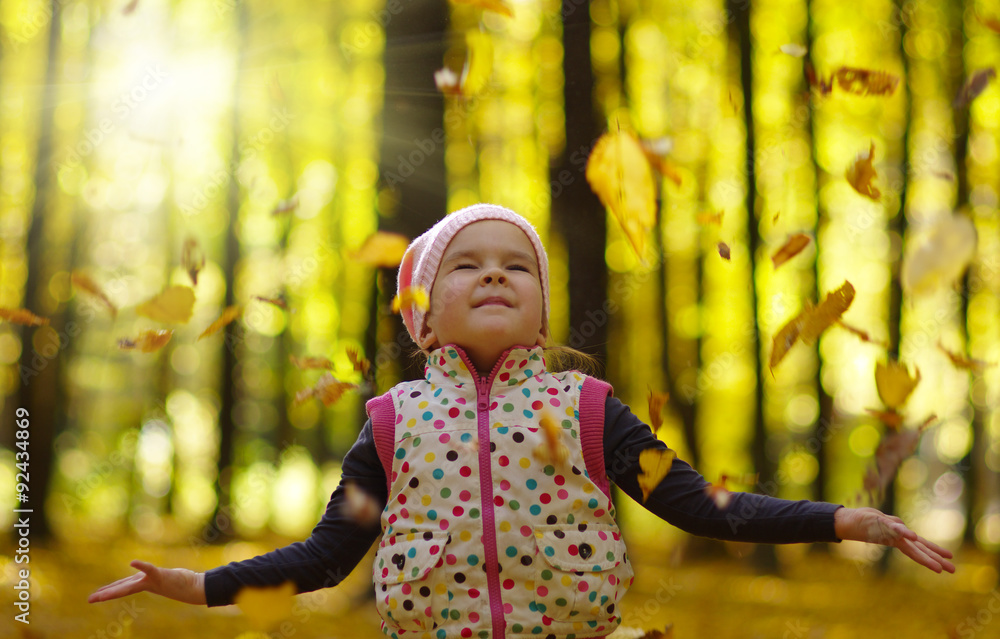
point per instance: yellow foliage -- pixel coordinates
(894, 383)
(620, 175)
(655, 464)
(266, 607)
(173, 305)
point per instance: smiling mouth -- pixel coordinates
(493, 301)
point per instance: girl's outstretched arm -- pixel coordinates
(875, 527)
(175, 583)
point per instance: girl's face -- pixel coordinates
(487, 296)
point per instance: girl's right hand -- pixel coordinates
(174, 583)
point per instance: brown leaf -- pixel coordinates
(22, 316)
(724, 252)
(360, 363)
(706, 218)
(192, 259)
(381, 249)
(963, 362)
(973, 87)
(894, 382)
(328, 389)
(861, 173)
(896, 446)
(784, 339)
(285, 206)
(890, 418)
(816, 82)
(990, 22)
(821, 317)
(228, 315)
(173, 305)
(795, 244)
(655, 464)
(308, 362)
(862, 335)
(84, 283)
(657, 401)
(865, 81)
(279, 301)
(147, 342)
(130, 7)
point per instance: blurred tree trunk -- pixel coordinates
(234, 331)
(764, 555)
(41, 392)
(415, 193)
(576, 212)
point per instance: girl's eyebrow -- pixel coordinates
(514, 255)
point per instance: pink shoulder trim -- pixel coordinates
(383, 416)
(592, 398)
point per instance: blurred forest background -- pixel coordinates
(246, 151)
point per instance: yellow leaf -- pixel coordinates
(411, 295)
(784, 339)
(938, 255)
(710, 217)
(479, 67)
(381, 249)
(620, 175)
(656, 402)
(820, 318)
(793, 49)
(228, 315)
(84, 283)
(655, 463)
(553, 450)
(328, 389)
(266, 607)
(795, 244)
(147, 342)
(174, 305)
(894, 383)
(22, 316)
(861, 173)
(498, 6)
(865, 81)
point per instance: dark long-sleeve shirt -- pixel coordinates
(338, 542)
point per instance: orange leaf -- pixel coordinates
(821, 317)
(279, 301)
(147, 342)
(192, 259)
(784, 339)
(719, 494)
(656, 151)
(656, 402)
(655, 464)
(990, 22)
(795, 244)
(360, 363)
(724, 252)
(84, 283)
(553, 450)
(309, 362)
(381, 249)
(228, 315)
(865, 81)
(285, 206)
(816, 82)
(174, 305)
(861, 173)
(710, 217)
(476, 72)
(411, 295)
(890, 418)
(862, 335)
(963, 362)
(328, 389)
(894, 383)
(620, 175)
(497, 6)
(22, 316)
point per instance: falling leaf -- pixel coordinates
(794, 49)
(890, 418)
(498, 6)
(817, 82)
(192, 259)
(656, 151)
(718, 493)
(130, 7)
(381, 249)
(795, 244)
(654, 463)
(360, 506)
(707, 218)
(285, 206)
(862, 335)
(963, 362)
(309, 362)
(973, 87)
(411, 295)
(784, 339)
(173, 305)
(147, 342)
(553, 450)
(656, 401)
(991, 23)
(821, 317)
(861, 173)
(896, 446)
(894, 383)
(266, 607)
(723, 249)
(84, 283)
(865, 81)
(477, 70)
(22, 316)
(938, 255)
(279, 301)
(328, 389)
(621, 177)
(228, 315)
(774, 220)
(358, 361)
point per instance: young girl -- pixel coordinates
(495, 474)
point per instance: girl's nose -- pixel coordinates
(492, 275)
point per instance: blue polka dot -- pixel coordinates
(503, 430)
(528, 414)
(531, 484)
(466, 437)
(473, 560)
(400, 453)
(411, 553)
(432, 515)
(592, 503)
(535, 509)
(427, 416)
(438, 473)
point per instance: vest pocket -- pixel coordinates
(582, 571)
(409, 593)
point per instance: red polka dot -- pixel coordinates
(546, 620)
(541, 591)
(473, 616)
(404, 513)
(405, 467)
(465, 495)
(572, 550)
(460, 400)
(457, 511)
(559, 480)
(498, 500)
(612, 579)
(399, 418)
(552, 391)
(466, 632)
(503, 461)
(600, 533)
(599, 512)
(434, 548)
(402, 498)
(526, 531)
(545, 498)
(554, 402)
(537, 405)
(582, 587)
(474, 593)
(385, 572)
(392, 518)
(444, 524)
(508, 584)
(509, 364)
(465, 471)
(452, 560)
(504, 484)
(504, 377)
(407, 589)
(453, 411)
(508, 609)
(562, 494)
(444, 438)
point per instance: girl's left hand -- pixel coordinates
(875, 527)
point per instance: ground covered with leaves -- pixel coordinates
(815, 594)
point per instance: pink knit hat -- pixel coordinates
(423, 257)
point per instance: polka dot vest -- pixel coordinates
(494, 526)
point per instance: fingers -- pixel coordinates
(125, 586)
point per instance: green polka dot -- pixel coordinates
(513, 504)
(470, 414)
(551, 470)
(446, 493)
(610, 556)
(508, 407)
(561, 601)
(546, 574)
(416, 442)
(474, 513)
